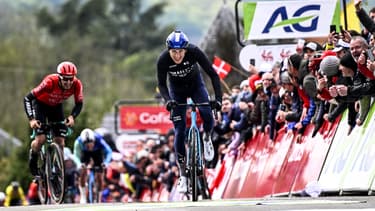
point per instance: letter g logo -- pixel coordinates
(293, 23)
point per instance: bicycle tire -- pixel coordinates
(203, 187)
(193, 165)
(55, 173)
(42, 179)
(93, 193)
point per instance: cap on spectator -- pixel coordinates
(265, 68)
(329, 66)
(309, 85)
(15, 184)
(285, 78)
(244, 83)
(311, 45)
(348, 61)
(141, 154)
(320, 55)
(341, 45)
(295, 60)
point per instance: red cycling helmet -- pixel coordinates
(67, 68)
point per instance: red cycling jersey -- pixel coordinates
(50, 93)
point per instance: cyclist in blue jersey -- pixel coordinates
(91, 149)
(178, 67)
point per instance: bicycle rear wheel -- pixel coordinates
(55, 173)
(42, 179)
(193, 164)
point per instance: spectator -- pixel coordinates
(32, 193)
(310, 49)
(245, 90)
(235, 91)
(341, 48)
(14, 195)
(257, 76)
(348, 69)
(367, 20)
(71, 176)
(243, 127)
(2, 199)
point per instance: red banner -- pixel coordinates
(221, 67)
(154, 118)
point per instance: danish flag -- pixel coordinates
(221, 67)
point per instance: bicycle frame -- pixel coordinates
(194, 160)
(93, 188)
(51, 184)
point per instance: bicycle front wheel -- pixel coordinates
(93, 188)
(55, 173)
(42, 179)
(193, 164)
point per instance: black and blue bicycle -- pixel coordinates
(93, 185)
(195, 164)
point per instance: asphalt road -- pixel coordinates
(299, 203)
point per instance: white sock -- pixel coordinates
(82, 191)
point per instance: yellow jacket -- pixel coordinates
(16, 195)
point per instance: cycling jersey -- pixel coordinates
(186, 75)
(49, 93)
(84, 155)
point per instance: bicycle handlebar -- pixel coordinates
(49, 124)
(194, 105)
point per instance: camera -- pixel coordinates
(252, 62)
(282, 107)
(332, 28)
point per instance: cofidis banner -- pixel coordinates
(289, 19)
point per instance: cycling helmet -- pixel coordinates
(87, 135)
(177, 40)
(67, 68)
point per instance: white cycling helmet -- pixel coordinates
(87, 135)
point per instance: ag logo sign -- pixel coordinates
(289, 19)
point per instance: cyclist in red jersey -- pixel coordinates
(45, 102)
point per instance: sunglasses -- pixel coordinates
(66, 78)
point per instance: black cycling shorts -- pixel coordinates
(50, 114)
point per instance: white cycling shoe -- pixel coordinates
(182, 185)
(209, 151)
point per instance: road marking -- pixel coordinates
(213, 203)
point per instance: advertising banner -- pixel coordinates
(274, 163)
(219, 184)
(265, 54)
(338, 156)
(290, 167)
(289, 19)
(316, 150)
(244, 162)
(144, 118)
(362, 163)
